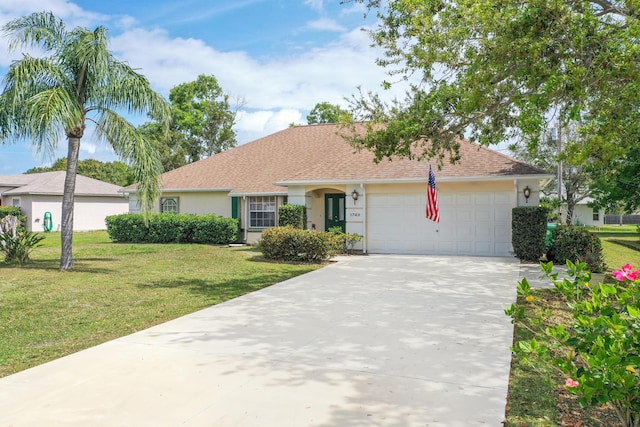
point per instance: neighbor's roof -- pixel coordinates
(317, 153)
(52, 183)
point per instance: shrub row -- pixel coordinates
(292, 244)
(172, 228)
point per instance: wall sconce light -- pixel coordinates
(527, 194)
(355, 195)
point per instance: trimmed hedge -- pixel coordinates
(528, 231)
(15, 211)
(293, 215)
(292, 244)
(578, 245)
(172, 228)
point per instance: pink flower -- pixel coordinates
(626, 272)
(571, 383)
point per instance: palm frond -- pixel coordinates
(36, 104)
(128, 90)
(138, 152)
(31, 75)
(51, 113)
(38, 29)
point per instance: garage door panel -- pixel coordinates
(483, 232)
(483, 198)
(471, 224)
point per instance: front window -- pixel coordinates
(15, 202)
(262, 211)
(596, 215)
(169, 205)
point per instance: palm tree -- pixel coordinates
(77, 80)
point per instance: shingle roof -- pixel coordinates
(52, 183)
(318, 153)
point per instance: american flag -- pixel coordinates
(433, 213)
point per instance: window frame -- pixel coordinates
(163, 200)
(596, 215)
(13, 202)
(268, 205)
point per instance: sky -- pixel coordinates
(280, 57)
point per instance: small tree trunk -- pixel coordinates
(66, 259)
(569, 220)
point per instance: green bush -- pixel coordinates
(293, 215)
(576, 244)
(172, 228)
(344, 242)
(528, 231)
(14, 211)
(292, 244)
(129, 228)
(213, 229)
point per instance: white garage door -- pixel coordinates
(470, 224)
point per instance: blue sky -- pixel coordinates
(280, 57)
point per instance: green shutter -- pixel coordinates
(234, 207)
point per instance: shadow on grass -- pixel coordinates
(258, 257)
(54, 264)
(634, 245)
(223, 290)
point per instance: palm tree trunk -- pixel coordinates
(66, 259)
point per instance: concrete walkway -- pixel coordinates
(367, 341)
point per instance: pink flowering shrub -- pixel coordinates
(626, 272)
(599, 352)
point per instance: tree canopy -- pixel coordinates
(500, 70)
(325, 112)
(202, 123)
(117, 173)
(547, 153)
(75, 81)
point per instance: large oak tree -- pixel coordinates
(496, 70)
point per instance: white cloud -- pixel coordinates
(326, 24)
(88, 147)
(315, 4)
(277, 90)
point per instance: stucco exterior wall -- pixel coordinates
(198, 203)
(89, 212)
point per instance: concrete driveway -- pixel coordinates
(367, 341)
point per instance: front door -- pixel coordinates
(334, 207)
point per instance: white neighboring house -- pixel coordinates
(383, 202)
(585, 215)
(39, 193)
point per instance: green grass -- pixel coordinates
(114, 290)
(618, 243)
(532, 398)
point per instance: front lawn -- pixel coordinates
(116, 289)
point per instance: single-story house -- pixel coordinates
(384, 202)
(39, 193)
(583, 214)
